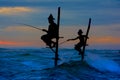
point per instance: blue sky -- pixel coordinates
(105, 16)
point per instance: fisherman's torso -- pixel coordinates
(82, 39)
(52, 30)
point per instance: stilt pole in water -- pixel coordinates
(57, 39)
(86, 38)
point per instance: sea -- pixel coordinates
(38, 64)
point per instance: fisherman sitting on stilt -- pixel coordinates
(51, 32)
(79, 45)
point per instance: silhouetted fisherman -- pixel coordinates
(79, 45)
(51, 32)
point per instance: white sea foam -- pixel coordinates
(102, 63)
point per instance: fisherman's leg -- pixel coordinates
(82, 56)
(46, 39)
(53, 43)
(77, 48)
(80, 52)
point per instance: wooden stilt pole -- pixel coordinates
(86, 38)
(57, 39)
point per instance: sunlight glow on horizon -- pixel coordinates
(105, 26)
(19, 44)
(31, 37)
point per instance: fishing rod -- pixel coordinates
(33, 27)
(36, 28)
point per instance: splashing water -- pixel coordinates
(102, 64)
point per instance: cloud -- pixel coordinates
(16, 43)
(17, 28)
(14, 10)
(105, 40)
(22, 29)
(7, 43)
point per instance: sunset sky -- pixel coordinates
(104, 32)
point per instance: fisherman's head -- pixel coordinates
(80, 32)
(50, 18)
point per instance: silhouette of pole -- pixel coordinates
(86, 38)
(57, 39)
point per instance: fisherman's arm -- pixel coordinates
(72, 39)
(44, 30)
(86, 36)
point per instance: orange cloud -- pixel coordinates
(12, 43)
(6, 43)
(18, 28)
(105, 40)
(14, 10)
(21, 43)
